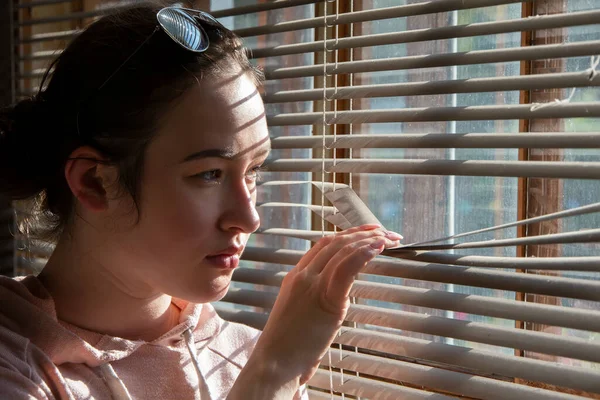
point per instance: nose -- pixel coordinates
(239, 214)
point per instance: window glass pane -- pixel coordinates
(550, 195)
(428, 207)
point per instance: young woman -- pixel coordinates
(141, 154)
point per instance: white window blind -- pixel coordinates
(445, 117)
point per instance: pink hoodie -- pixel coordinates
(44, 358)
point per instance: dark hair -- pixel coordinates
(38, 134)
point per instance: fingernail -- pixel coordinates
(393, 236)
(370, 226)
(378, 244)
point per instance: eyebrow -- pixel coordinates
(224, 154)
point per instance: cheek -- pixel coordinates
(189, 212)
(176, 215)
(196, 214)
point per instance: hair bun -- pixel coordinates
(24, 152)
(29, 113)
(6, 122)
(17, 117)
(26, 107)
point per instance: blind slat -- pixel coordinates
(427, 34)
(40, 55)
(425, 114)
(459, 275)
(41, 37)
(579, 49)
(370, 388)
(426, 7)
(317, 395)
(323, 211)
(71, 16)
(38, 3)
(539, 169)
(260, 7)
(472, 85)
(585, 236)
(32, 74)
(590, 264)
(570, 140)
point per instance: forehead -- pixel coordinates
(219, 113)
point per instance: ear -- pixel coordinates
(90, 178)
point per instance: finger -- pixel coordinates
(365, 227)
(310, 254)
(342, 277)
(376, 241)
(389, 234)
(322, 258)
(393, 235)
(331, 269)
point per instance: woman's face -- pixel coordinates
(198, 191)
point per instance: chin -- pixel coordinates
(219, 296)
(213, 291)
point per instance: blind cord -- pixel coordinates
(333, 101)
(350, 155)
(326, 124)
(323, 156)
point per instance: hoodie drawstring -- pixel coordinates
(191, 346)
(115, 384)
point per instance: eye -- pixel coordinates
(210, 176)
(254, 174)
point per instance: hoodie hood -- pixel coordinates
(27, 309)
(200, 358)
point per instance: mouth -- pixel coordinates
(226, 259)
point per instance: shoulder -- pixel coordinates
(26, 313)
(16, 315)
(18, 376)
(14, 351)
(234, 342)
(24, 295)
(19, 354)
(237, 333)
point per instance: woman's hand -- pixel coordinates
(312, 304)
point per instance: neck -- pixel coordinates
(89, 295)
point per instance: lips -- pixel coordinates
(226, 259)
